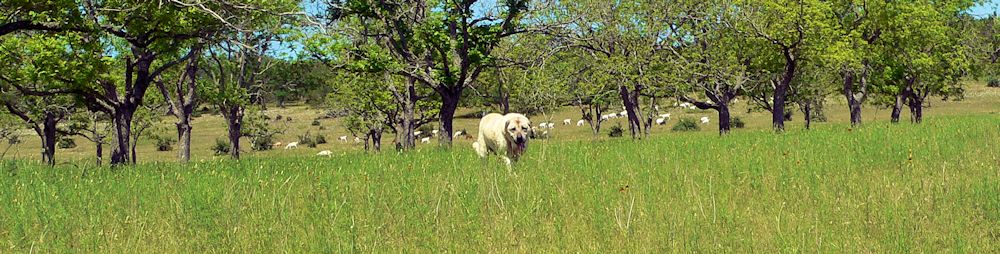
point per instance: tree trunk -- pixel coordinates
(449, 104)
(807, 112)
(781, 91)
(184, 138)
(896, 108)
(725, 120)
(916, 109)
(629, 102)
(852, 101)
(100, 153)
(408, 140)
(122, 122)
(593, 116)
(48, 135)
(234, 121)
(376, 139)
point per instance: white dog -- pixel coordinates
(504, 135)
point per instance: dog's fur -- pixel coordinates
(504, 135)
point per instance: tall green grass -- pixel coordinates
(933, 187)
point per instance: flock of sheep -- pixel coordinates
(542, 128)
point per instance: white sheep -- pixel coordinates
(417, 133)
(426, 140)
(667, 115)
(551, 125)
(326, 153)
(661, 121)
(357, 140)
(580, 123)
(277, 144)
(704, 120)
(623, 113)
(457, 134)
(434, 132)
(342, 138)
(292, 145)
(567, 121)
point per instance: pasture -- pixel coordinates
(933, 187)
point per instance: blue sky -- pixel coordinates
(986, 9)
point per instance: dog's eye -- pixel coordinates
(513, 129)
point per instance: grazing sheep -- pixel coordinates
(276, 144)
(357, 140)
(580, 123)
(623, 113)
(567, 122)
(667, 115)
(343, 139)
(693, 107)
(434, 132)
(326, 153)
(292, 145)
(457, 134)
(417, 133)
(704, 120)
(426, 140)
(661, 121)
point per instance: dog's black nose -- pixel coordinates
(519, 140)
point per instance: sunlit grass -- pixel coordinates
(881, 188)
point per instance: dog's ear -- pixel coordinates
(506, 124)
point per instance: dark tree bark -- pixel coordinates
(45, 128)
(234, 122)
(449, 104)
(854, 102)
(897, 107)
(629, 99)
(807, 114)
(181, 101)
(781, 90)
(719, 101)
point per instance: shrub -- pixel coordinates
(737, 123)
(221, 146)
(686, 124)
(66, 143)
(164, 144)
(307, 140)
(14, 139)
(616, 131)
(278, 117)
(315, 123)
(993, 82)
(320, 139)
(261, 143)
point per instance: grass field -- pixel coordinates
(904, 188)
(932, 187)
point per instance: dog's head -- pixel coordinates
(517, 127)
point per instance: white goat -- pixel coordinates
(704, 120)
(567, 121)
(292, 145)
(580, 123)
(426, 140)
(326, 153)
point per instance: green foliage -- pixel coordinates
(993, 82)
(307, 140)
(686, 124)
(261, 129)
(222, 146)
(262, 143)
(66, 143)
(163, 143)
(737, 122)
(320, 139)
(616, 131)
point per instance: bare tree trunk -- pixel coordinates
(122, 121)
(897, 107)
(449, 104)
(184, 139)
(916, 108)
(48, 135)
(807, 112)
(852, 101)
(234, 122)
(725, 120)
(781, 91)
(100, 153)
(631, 108)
